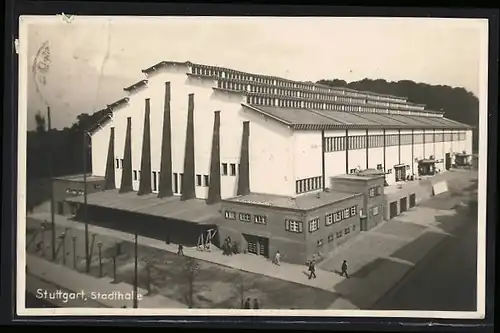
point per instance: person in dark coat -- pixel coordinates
(255, 303)
(344, 269)
(312, 270)
(180, 250)
(247, 304)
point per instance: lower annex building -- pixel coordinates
(275, 164)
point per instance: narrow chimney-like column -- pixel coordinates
(188, 185)
(145, 181)
(126, 183)
(165, 188)
(244, 172)
(109, 178)
(214, 189)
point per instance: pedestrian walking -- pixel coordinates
(343, 271)
(312, 270)
(255, 303)
(277, 258)
(180, 250)
(247, 304)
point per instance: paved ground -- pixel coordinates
(444, 281)
(378, 259)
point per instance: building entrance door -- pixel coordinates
(257, 245)
(393, 209)
(447, 161)
(400, 173)
(403, 203)
(412, 200)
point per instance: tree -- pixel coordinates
(190, 271)
(40, 122)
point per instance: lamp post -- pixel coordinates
(63, 246)
(99, 247)
(136, 279)
(74, 251)
(85, 212)
(51, 161)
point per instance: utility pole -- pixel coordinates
(85, 211)
(51, 161)
(136, 279)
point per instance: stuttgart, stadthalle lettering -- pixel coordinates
(65, 296)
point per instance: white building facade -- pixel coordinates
(298, 134)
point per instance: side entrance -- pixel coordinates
(257, 245)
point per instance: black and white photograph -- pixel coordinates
(196, 165)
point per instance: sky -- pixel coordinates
(93, 58)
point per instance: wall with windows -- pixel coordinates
(406, 150)
(285, 229)
(391, 154)
(330, 226)
(428, 143)
(308, 159)
(334, 153)
(357, 150)
(372, 189)
(376, 150)
(418, 148)
(271, 148)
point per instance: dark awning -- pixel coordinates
(427, 161)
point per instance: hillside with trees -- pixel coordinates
(457, 103)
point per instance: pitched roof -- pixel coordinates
(308, 119)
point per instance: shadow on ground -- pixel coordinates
(413, 253)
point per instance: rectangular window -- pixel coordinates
(117, 163)
(319, 242)
(230, 215)
(337, 217)
(198, 180)
(176, 183)
(259, 219)
(135, 174)
(377, 191)
(375, 210)
(293, 226)
(329, 219)
(371, 192)
(121, 163)
(352, 171)
(353, 211)
(313, 225)
(233, 169)
(338, 234)
(347, 213)
(154, 181)
(205, 180)
(347, 230)
(224, 169)
(330, 238)
(245, 217)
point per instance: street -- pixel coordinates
(443, 281)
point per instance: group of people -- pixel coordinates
(229, 247)
(247, 304)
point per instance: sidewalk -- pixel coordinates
(377, 259)
(95, 290)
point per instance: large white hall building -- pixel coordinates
(266, 134)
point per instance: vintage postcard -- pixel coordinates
(313, 166)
